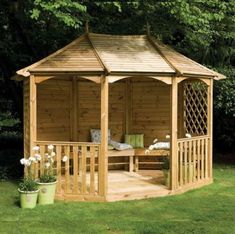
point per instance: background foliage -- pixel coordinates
(202, 30)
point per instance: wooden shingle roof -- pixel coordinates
(99, 53)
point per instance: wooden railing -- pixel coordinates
(79, 174)
(194, 162)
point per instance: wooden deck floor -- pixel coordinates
(123, 185)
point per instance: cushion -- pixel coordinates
(135, 140)
(96, 135)
(161, 145)
(120, 146)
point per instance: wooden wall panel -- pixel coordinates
(150, 109)
(54, 110)
(26, 118)
(89, 109)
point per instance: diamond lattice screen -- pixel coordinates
(195, 108)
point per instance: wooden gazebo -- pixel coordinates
(130, 85)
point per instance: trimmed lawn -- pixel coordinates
(210, 209)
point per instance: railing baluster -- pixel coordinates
(92, 169)
(190, 162)
(181, 163)
(206, 158)
(75, 169)
(198, 159)
(58, 167)
(185, 162)
(67, 174)
(194, 160)
(202, 159)
(84, 155)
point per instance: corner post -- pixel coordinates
(174, 148)
(103, 157)
(32, 112)
(210, 126)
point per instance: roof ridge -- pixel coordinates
(107, 70)
(189, 59)
(152, 42)
(25, 71)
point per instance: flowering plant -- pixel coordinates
(28, 183)
(48, 174)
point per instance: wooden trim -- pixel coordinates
(103, 157)
(114, 78)
(173, 148)
(95, 79)
(210, 126)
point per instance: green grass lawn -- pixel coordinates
(210, 209)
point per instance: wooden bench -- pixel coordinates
(130, 153)
(152, 153)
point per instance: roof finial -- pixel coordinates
(87, 27)
(148, 28)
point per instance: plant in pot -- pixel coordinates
(28, 188)
(47, 180)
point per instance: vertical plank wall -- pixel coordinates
(54, 110)
(150, 109)
(26, 118)
(89, 109)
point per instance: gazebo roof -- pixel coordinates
(98, 53)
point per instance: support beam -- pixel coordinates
(128, 106)
(174, 150)
(210, 126)
(32, 112)
(103, 157)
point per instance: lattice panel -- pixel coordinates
(195, 108)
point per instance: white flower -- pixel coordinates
(27, 162)
(151, 147)
(38, 157)
(168, 136)
(22, 161)
(52, 160)
(52, 154)
(188, 135)
(65, 158)
(36, 148)
(155, 140)
(32, 159)
(50, 147)
(46, 155)
(47, 165)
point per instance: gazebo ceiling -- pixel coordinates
(99, 53)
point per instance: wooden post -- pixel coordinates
(174, 149)
(128, 107)
(32, 113)
(103, 157)
(181, 131)
(74, 110)
(210, 126)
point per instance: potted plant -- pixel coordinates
(166, 171)
(28, 188)
(47, 180)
